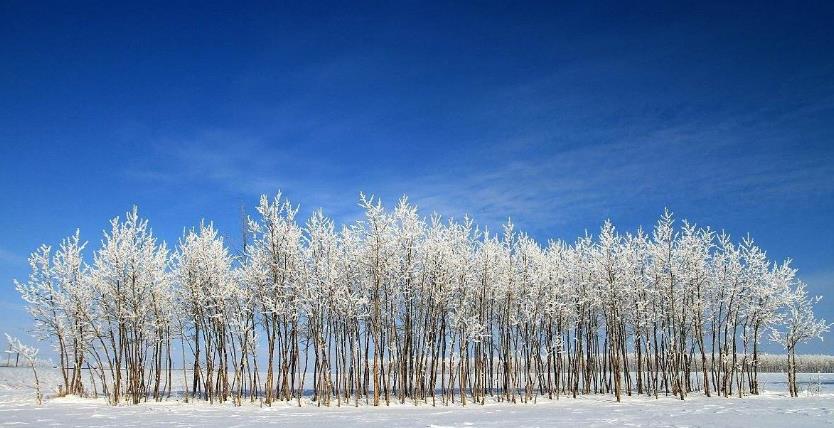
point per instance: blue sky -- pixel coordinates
(558, 116)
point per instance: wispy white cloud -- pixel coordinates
(657, 169)
(821, 281)
(533, 181)
(10, 258)
(543, 151)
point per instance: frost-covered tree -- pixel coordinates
(30, 354)
(800, 326)
(131, 287)
(273, 267)
(208, 295)
(57, 298)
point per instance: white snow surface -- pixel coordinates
(771, 409)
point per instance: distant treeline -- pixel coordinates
(807, 363)
(778, 363)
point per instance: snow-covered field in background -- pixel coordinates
(772, 409)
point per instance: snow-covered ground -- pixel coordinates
(772, 409)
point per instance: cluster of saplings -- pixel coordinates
(397, 307)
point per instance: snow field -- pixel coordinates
(772, 409)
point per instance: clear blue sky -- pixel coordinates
(557, 115)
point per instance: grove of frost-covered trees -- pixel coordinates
(397, 307)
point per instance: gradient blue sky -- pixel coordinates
(557, 115)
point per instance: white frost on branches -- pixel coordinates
(398, 306)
